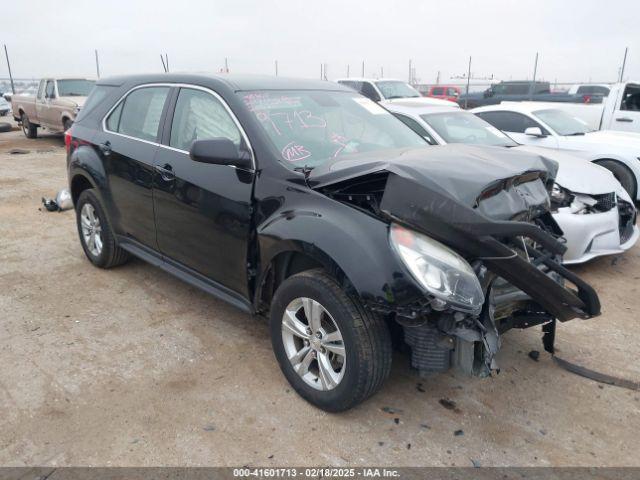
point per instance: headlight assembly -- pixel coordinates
(438, 269)
(560, 197)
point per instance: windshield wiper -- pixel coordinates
(575, 134)
(306, 170)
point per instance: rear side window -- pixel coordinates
(510, 121)
(200, 116)
(97, 95)
(138, 115)
(437, 91)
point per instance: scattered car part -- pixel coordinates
(63, 201)
(5, 127)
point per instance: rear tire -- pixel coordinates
(625, 176)
(364, 341)
(30, 130)
(96, 235)
(5, 127)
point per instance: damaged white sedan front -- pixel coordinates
(595, 213)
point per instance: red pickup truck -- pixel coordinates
(444, 92)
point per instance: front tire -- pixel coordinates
(625, 176)
(333, 352)
(30, 130)
(96, 237)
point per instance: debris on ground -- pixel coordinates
(449, 405)
(458, 433)
(534, 355)
(391, 410)
(475, 463)
(19, 151)
(209, 428)
(420, 388)
(62, 201)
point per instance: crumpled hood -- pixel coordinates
(576, 173)
(460, 172)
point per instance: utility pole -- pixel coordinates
(624, 63)
(438, 78)
(276, 68)
(410, 73)
(363, 68)
(381, 72)
(6, 54)
(166, 57)
(533, 82)
(468, 80)
(226, 65)
(347, 70)
(97, 65)
(164, 66)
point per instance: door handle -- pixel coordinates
(105, 147)
(166, 172)
(624, 119)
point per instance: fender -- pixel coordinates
(86, 163)
(358, 245)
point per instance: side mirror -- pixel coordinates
(534, 132)
(220, 151)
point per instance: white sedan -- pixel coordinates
(391, 91)
(595, 213)
(544, 126)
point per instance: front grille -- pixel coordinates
(627, 215)
(606, 202)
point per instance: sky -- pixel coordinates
(577, 40)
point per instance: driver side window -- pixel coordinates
(50, 90)
(200, 116)
(510, 121)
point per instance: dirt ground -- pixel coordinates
(131, 367)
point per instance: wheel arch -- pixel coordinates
(351, 246)
(635, 174)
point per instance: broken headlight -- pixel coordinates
(560, 197)
(441, 271)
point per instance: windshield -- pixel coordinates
(395, 89)
(563, 123)
(465, 127)
(309, 128)
(74, 88)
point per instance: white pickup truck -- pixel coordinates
(54, 107)
(620, 110)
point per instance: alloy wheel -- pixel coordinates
(91, 229)
(313, 343)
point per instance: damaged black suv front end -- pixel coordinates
(471, 226)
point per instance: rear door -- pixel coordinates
(203, 211)
(127, 146)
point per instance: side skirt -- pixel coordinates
(184, 273)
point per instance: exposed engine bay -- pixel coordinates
(503, 229)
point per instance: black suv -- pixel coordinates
(308, 203)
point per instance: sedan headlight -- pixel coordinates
(438, 269)
(560, 197)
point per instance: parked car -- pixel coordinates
(519, 91)
(5, 108)
(530, 124)
(620, 110)
(308, 203)
(589, 89)
(594, 211)
(387, 90)
(54, 107)
(444, 92)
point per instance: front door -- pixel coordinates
(127, 148)
(626, 116)
(514, 124)
(203, 211)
